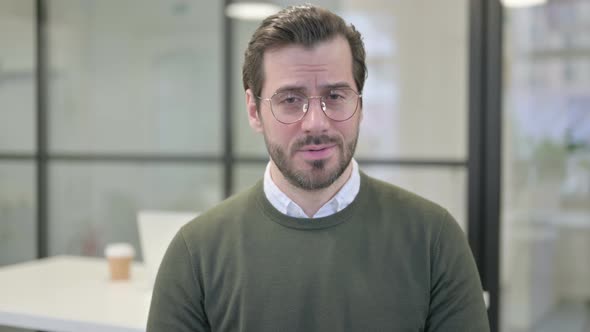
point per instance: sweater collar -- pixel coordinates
(358, 204)
(287, 206)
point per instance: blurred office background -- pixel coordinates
(111, 107)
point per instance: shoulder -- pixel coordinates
(407, 210)
(391, 197)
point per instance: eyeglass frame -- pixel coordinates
(359, 97)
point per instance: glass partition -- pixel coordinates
(18, 229)
(94, 204)
(545, 273)
(135, 76)
(17, 76)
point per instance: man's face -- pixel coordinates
(312, 153)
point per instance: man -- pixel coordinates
(316, 245)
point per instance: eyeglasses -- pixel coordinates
(291, 106)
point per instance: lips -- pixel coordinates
(316, 147)
(316, 152)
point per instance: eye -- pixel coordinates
(336, 95)
(289, 98)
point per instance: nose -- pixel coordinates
(315, 120)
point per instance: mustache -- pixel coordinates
(315, 140)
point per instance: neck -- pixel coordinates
(309, 200)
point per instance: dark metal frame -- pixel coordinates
(135, 158)
(483, 164)
(485, 129)
(17, 156)
(228, 153)
(41, 127)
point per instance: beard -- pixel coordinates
(320, 176)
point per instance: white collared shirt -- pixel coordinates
(285, 205)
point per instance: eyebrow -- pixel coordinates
(300, 88)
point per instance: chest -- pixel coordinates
(317, 283)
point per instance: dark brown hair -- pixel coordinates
(304, 25)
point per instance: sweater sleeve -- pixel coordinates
(177, 299)
(456, 295)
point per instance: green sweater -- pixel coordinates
(390, 261)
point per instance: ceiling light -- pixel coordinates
(522, 3)
(251, 11)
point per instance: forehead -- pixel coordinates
(308, 68)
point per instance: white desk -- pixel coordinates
(73, 294)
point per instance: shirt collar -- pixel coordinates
(285, 205)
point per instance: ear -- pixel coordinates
(253, 114)
(362, 114)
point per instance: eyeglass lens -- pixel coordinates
(291, 106)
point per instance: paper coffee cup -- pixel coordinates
(119, 256)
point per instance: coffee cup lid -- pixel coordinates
(119, 250)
